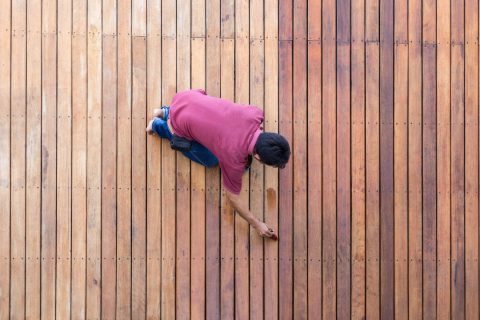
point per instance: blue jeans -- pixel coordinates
(197, 153)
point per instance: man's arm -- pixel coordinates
(246, 214)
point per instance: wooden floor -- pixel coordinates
(377, 211)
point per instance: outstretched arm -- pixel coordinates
(246, 214)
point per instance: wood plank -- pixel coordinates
(386, 160)
(240, 79)
(299, 144)
(197, 209)
(197, 288)
(94, 159)
(139, 174)
(64, 160)
(372, 154)
(429, 199)
(257, 171)
(168, 164)
(227, 221)
(139, 123)
(17, 159)
(183, 273)
(471, 161)
(329, 126)
(443, 160)
(415, 159)
(212, 179)
(457, 104)
(154, 196)
(124, 161)
(49, 157)
(5, 183)
(343, 163)
(33, 161)
(109, 159)
(358, 159)
(285, 206)
(401, 160)
(285, 201)
(271, 281)
(227, 218)
(79, 158)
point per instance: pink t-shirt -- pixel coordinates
(229, 130)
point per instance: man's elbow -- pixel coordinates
(233, 199)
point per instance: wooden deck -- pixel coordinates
(377, 213)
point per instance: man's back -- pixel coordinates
(227, 129)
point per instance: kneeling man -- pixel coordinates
(218, 131)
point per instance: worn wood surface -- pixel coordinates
(377, 211)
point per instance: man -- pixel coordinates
(226, 133)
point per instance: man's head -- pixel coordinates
(272, 149)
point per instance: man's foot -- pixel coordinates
(150, 127)
(158, 113)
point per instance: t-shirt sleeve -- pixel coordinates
(232, 179)
(259, 115)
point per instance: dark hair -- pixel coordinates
(273, 149)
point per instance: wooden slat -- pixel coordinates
(168, 163)
(285, 228)
(138, 176)
(33, 161)
(5, 78)
(154, 196)
(271, 281)
(401, 160)
(17, 159)
(124, 161)
(64, 161)
(139, 122)
(358, 159)
(227, 218)
(285, 205)
(242, 64)
(386, 160)
(414, 159)
(343, 164)
(372, 154)
(227, 221)
(257, 172)
(443, 160)
(457, 129)
(212, 179)
(197, 289)
(197, 209)
(429, 199)
(329, 127)
(471, 160)
(299, 144)
(183, 272)
(109, 159)
(49, 157)
(79, 158)
(94, 158)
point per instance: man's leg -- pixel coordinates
(197, 153)
(160, 127)
(202, 155)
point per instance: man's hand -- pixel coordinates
(240, 207)
(265, 231)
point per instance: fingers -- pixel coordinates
(271, 234)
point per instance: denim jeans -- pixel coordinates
(197, 153)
